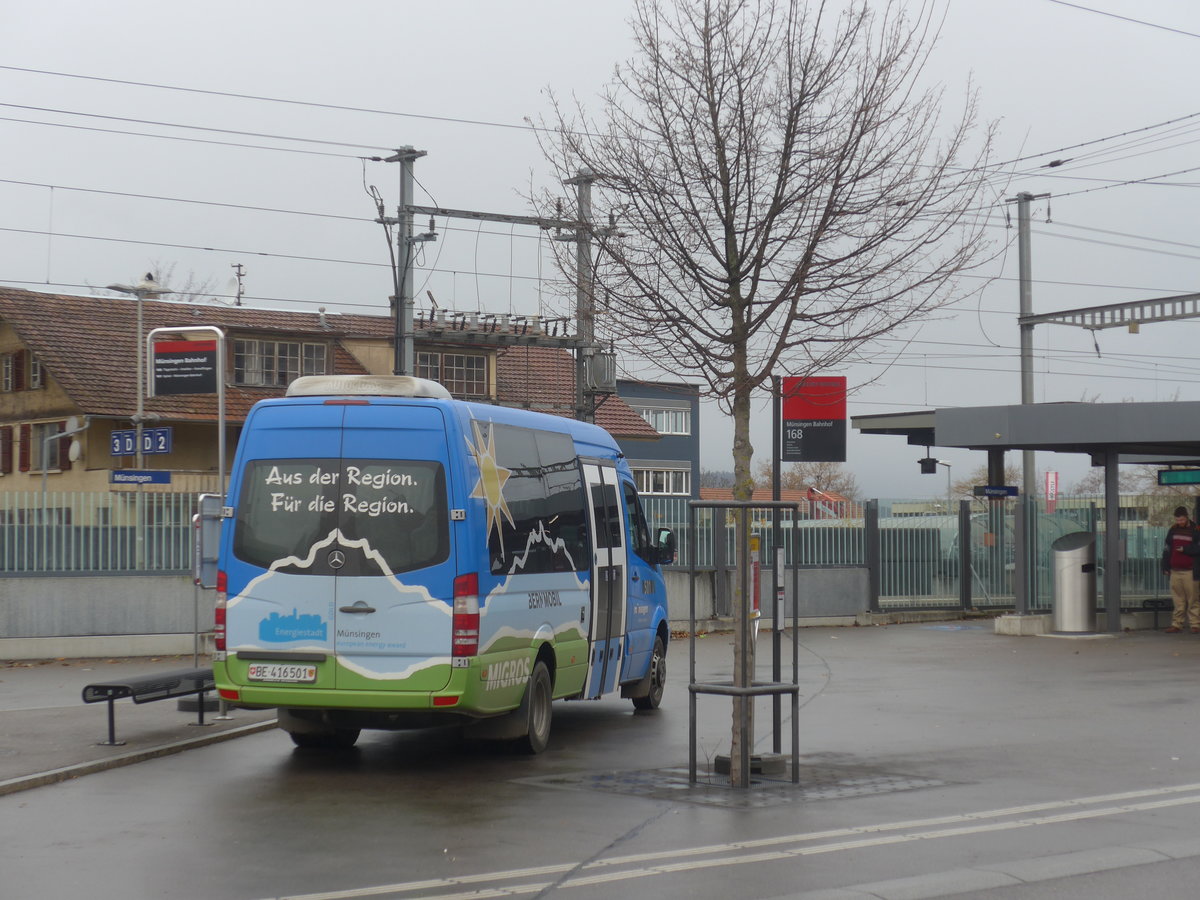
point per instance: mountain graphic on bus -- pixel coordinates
(276, 628)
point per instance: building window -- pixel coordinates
(43, 455)
(20, 371)
(462, 374)
(276, 363)
(429, 365)
(672, 482)
(667, 420)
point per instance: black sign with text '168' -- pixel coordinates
(814, 419)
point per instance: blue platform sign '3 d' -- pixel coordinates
(154, 440)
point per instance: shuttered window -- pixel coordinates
(6, 450)
(64, 450)
(23, 446)
(20, 363)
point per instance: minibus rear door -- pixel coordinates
(395, 581)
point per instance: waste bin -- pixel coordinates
(1073, 558)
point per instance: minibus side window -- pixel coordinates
(636, 519)
(609, 525)
(543, 530)
(566, 520)
(523, 496)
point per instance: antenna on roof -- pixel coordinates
(240, 270)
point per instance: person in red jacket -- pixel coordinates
(1181, 562)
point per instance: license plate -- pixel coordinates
(281, 672)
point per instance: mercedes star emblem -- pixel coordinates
(337, 559)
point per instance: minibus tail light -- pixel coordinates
(465, 636)
(219, 612)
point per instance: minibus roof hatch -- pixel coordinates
(366, 385)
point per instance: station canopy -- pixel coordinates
(1163, 433)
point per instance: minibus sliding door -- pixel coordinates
(608, 577)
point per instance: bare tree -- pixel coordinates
(824, 476)
(1132, 480)
(713, 478)
(783, 190)
(190, 289)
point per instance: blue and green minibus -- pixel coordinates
(394, 558)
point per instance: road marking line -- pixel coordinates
(868, 836)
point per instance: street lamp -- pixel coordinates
(949, 494)
(147, 287)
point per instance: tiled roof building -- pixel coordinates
(64, 356)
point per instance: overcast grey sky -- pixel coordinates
(279, 187)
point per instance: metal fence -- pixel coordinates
(76, 532)
(920, 563)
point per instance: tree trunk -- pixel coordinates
(743, 659)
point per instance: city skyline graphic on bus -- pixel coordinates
(296, 627)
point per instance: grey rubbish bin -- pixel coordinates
(1074, 560)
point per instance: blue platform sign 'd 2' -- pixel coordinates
(154, 440)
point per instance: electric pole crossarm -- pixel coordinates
(1120, 315)
(537, 221)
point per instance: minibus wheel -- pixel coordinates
(657, 678)
(537, 702)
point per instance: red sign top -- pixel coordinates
(184, 346)
(814, 398)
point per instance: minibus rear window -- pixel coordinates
(384, 515)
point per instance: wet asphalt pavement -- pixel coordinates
(48, 734)
(936, 760)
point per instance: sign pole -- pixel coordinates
(777, 567)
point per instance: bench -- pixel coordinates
(147, 689)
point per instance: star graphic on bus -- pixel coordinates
(492, 477)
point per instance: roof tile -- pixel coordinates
(87, 346)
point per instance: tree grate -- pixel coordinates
(817, 782)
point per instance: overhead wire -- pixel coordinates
(1060, 175)
(261, 98)
(539, 278)
(243, 206)
(244, 252)
(525, 126)
(1139, 237)
(179, 137)
(1097, 141)
(913, 365)
(188, 200)
(1099, 243)
(207, 128)
(1101, 12)
(288, 138)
